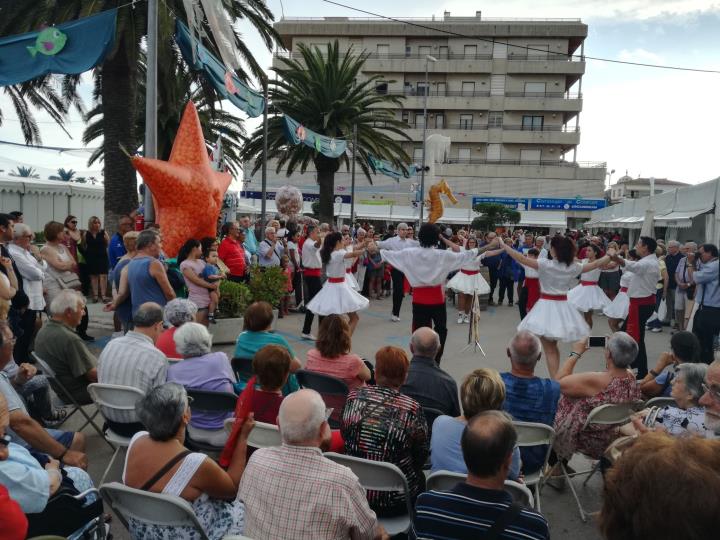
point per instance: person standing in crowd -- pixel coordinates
(18, 299)
(271, 249)
(672, 260)
(660, 290)
(192, 267)
(94, 246)
(685, 292)
(250, 242)
(117, 248)
(529, 290)
(312, 269)
(642, 292)
(609, 280)
(72, 241)
(493, 264)
(293, 254)
(705, 273)
(397, 243)
(232, 252)
(123, 312)
(506, 275)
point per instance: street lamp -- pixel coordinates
(428, 59)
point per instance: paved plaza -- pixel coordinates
(497, 326)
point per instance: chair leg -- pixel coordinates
(107, 469)
(583, 516)
(538, 488)
(89, 421)
(593, 471)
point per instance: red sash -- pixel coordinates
(470, 272)
(312, 272)
(406, 286)
(588, 283)
(532, 284)
(553, 297)
(348, 271)
(632, 326)
(336, 279)
(432, 295)
(623, 289)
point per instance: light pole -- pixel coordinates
(428, 59)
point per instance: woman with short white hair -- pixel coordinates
(202, 369)
(178, 311)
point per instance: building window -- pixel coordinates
(535, 88)
(441, 89)
(493, 152)
(500, 50)
(530, 155)
(466, 121)
(417, 155)
(497, 85)
(468, 88)
(470, 51)
(495, 119)
(537, 51)
(464, 155)
(383, 50)
(419, 119)
(405, 116)
(422, 88)
(424, 50)
(440, 121)
(408, 50)
(443, 51)
(532, 123)
(381, 88)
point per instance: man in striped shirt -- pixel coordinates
(133, 360)
(479, 508)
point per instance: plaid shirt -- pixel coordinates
(294, 492)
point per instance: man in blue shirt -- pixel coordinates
(706, 273)
(116, 249)
(529, 398)
(250, 244)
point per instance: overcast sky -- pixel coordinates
(646, 121)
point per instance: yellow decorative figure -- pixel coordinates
(434, 202)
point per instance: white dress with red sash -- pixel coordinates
(620, 305)
(337, 296)
(587, 295)
(469, 280)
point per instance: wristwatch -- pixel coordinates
(654, 373)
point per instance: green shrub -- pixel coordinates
(234, 299)
(269, 285)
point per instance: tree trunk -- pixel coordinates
(326, 168)
(119, 89)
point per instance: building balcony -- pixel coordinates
(545, 101)
(592, 172)
(551, 65)
(446, 100)
(559, 135)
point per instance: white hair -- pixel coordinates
(623, 349)
(296, 428)
(179, 311)
(673, 243)
(269, 229)
(360, 231)
(402, 226)
(525, 348)
(21, 230)
(65, 300)
(192, 339)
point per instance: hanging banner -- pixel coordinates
(296, 133)
(225, 82)
(388, 169)
(69, 48)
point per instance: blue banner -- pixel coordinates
(567, 204)
(512, 202)
(296, 133)
(69, 48)
(388, 169)
(225, 81)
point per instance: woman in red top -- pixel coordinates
(232, 253)
(177, 312)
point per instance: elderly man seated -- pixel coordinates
(529, 398)
(63, 349)
(133, 360)
(64, 446)
(293, 492)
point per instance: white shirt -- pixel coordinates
(474, 264)
(646, 275)
(33, 273)
(292, 246)
(557, 278)
(626, 278)
(396, 244)
(424, 267)
(311, 255)
(592, 275)
(336, 267)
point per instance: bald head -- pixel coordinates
(302, 419)
(524, 350)
(487, 444)
(425, 342)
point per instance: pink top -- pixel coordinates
(289, 275)
(200, 296)
(345, 367)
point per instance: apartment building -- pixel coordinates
(509, 96)
(628, 187)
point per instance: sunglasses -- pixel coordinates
(5, 440)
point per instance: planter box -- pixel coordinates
(226, 330)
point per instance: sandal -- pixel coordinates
(58, 417)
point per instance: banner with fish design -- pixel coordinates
(388, 169)
(69, 48)
(296, 133)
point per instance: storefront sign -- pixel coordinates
(567, 204)
(310, 197)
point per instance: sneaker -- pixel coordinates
(656, 330)
(460, 318)
(491, 302)
(466, 319)
(510, 304)
(58, 417)
(309, 337)
(395, 318)
(87, 338)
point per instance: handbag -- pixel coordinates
(618, 446)
(66, 279)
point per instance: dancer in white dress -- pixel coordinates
(467, 281)
(349, 262)
(587, 296)
(552, 318)
(337, 296)
(617, 311)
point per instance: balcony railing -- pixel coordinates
(398, 56)
(434, 19)
(543, 162)
(464, 126)
(555, 95)
(478, 93)
(552, 56)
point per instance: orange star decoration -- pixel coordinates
(188, 192)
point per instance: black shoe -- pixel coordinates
(85, 337)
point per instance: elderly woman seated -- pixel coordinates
(202, 369)
(582, 392)
(158, 462)
(178, 311)
(481, 390)
(380, 423)
(684, 347)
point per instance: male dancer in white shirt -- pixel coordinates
(398, 242)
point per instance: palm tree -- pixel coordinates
(322, 93)
(25, 172)
(66, 175)
(118, 75)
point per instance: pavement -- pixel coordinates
(497, 326)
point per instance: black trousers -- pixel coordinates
(506, 284)
(84, 322)
(398, 286)
(522, 302)
(706, 325)
(644, 313)
(297, 286)
(313, 284)
(494, 277)
(433, 316)
(26, 321)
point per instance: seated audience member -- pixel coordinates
(193, 476)
(257, 332)
(426, 382)
(380, 423)
(63, 349)
(529, 398)
(32, 485)
(582, 392)
(133, 360)
(332, 356)
(663, 488)
(470, 509)
(66, 447)
(14, 525)
(481, 390)
(177, 312)
(202, 369)
(293, 492)
(711, 398)
(684, 347)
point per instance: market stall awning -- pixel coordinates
(680, 220)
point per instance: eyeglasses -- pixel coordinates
(5, 440)
(715, 394)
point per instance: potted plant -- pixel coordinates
(268, 285)
(234, 299)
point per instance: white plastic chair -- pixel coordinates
(535, 434)
(661, 401)
(604, 415)
(380, 476)
(117, 398)
(261, 436)
(153, 508)
(445, 480)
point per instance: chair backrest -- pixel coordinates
(520, 493)
(152, 508)
(242, 367)
(211, 401)
(430, 416)
(445, 480)
(660, 402)
(333, 391)
(533, 433)
(611, 414)
(261, 436)
(115, 396)
(373, 475)
(44, 366)
(60, 390)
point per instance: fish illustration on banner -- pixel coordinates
(388, 169)
(49, 42)
(296, 133)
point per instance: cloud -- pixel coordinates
(640, 55)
